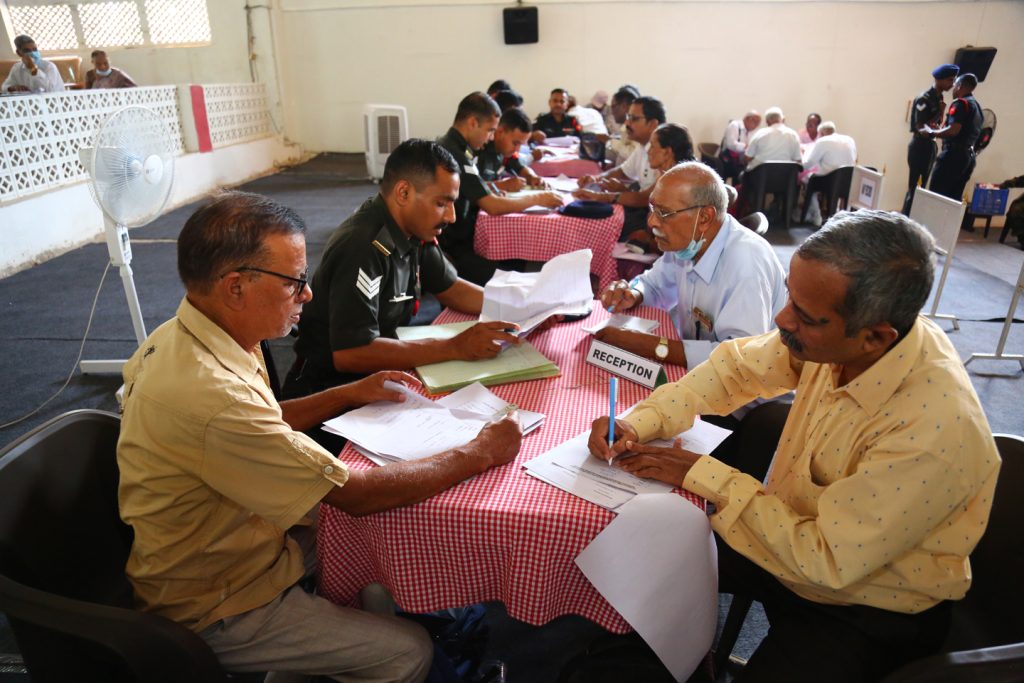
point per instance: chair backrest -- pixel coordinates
(841, 179)
(779, 175)
(990, 614)
(708, 150)
(63, 549)
(756, 221)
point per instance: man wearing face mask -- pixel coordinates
(33, 73)
(718, 279)
(102, 75)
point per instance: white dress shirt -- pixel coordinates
(47, 78)
(591, 120)
(638, 167)
(738, 283)
(777, 142)
(736, 137)
(830, 152)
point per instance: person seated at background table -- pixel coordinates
(497, 86)
(557, 122)
(32, 74)
(376, 267)
(591, 120)
(102, 75)
(476, 120)
(501, 155)
(775, 142)
(619, 147)
(718, 279)
(831, 151)
(885, 470)
(734, 144)
(811, 129)
(630, 183)
(214, 471)
(508, 99)
(1015, 213)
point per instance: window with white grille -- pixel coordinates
(91, 24)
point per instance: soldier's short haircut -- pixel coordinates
(477, 104)
(507, 99)
(515, 119)
(416, 161)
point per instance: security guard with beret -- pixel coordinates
(956, 161)
(556, 123)
(374, 270)
(926, 111)
(476, 121)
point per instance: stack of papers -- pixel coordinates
(624, 322)
(570, 467)
(513, 364)
(418, 427)
(562, 287)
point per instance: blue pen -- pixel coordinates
(632, 285)
(611, 410)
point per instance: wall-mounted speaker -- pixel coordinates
(975, 60)
(520, 25)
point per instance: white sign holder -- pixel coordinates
(625, 364)
(942, 217)
(999, 355)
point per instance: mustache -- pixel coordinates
(790, 340)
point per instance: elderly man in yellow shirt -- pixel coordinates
(214, 470)
(884, 474)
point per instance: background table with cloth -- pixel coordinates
(541, 237)
(502, 535)
(569, 165)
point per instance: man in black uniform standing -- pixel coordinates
(476, 120)
(926, 111)
(557, 123)
(955, 164)
(501, 155)
(375, 268)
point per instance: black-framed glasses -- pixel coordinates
(662, 215)
(298, 283)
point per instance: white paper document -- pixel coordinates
(563, 183)
(621, 251)
(563, 142)
(418, 427)
(656, 564)
(570, 467)
(562, 287)
(624, 322)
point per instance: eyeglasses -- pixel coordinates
(662, 215)
(299, 283)
(633, 117)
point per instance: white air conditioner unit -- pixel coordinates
(385, 126)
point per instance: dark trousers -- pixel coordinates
(920, 157)
(953, 169)
(809, 641)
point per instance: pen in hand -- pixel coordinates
(612, 382)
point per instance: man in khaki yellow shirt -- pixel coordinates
(884, 474)
(214, 471)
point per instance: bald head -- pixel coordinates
(695, 184)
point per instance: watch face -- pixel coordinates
(661, 351)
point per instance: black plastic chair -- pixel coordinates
(756, 221)
(986, 636)
(63, 549)
(709, 156)
(835, 186)
(777, 178)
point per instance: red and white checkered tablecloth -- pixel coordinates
(541, 237)
(502, 535)
(570, 166)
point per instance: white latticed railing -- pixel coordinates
(237, 112)
(40, 135)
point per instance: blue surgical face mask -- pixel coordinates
(104, 73)
(36, 57)
(694, 247)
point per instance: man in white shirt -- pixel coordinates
(831, 151)
(734, 144)
(776, 142)
(591, 120)
(33, 73)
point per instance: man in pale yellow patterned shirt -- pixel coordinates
(883, 478)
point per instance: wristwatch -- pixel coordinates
(661, 350)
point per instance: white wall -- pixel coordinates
(45, 225)
(858, 63)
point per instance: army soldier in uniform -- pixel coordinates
(927, 111)
(955, 164)
(374, 270)
(557, 123)
(475, 123)
(501, 155)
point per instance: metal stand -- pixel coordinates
(121, 256)
(938, 292)
(999, 355)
